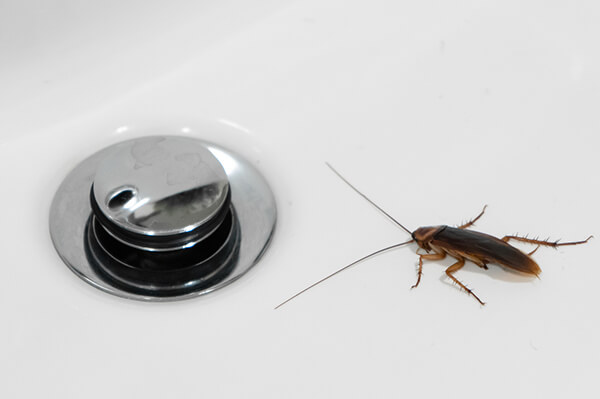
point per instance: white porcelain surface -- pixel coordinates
(432, 108)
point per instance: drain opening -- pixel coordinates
(165, 273)
(120, 199)
(159, 218)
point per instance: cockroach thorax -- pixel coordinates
(424, 235)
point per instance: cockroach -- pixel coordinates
(461, 244)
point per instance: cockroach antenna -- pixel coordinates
(344, 268)
(364, 257)
(368, 199)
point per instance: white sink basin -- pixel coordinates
(432, 109)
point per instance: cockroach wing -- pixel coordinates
(487, 248)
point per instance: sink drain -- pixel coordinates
(162, 218)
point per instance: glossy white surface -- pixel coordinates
(433, 109)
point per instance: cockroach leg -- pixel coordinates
(546, 243)
(532, 252)
(435, 256)
(472, 222)
(455, 267)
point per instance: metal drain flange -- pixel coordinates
(162, 218)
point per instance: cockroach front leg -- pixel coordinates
(455, 267)
(546, 243)
(434, 256)
(472, 222)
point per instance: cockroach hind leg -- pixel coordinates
(455, 267)
(545, 243)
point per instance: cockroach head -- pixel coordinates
(424, 235)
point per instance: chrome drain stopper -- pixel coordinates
(162, 218)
